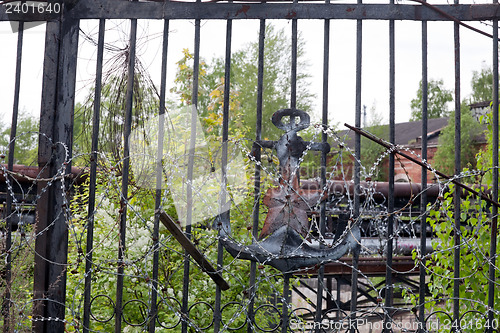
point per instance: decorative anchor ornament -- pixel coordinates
(283, 241)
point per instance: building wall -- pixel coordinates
(405, 168)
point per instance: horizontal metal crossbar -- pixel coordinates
(105, 9)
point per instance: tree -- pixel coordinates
(277, 80)
(475, 245)
(26, 141)
(445, 154)
(475, 230)
(482, 85)
(438, 98)
(372, 151)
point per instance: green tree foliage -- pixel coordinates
(277, 80)
(372, 151)
(26, 141)
(482, 85)
(474, 258)
(438, 98)
(244, 68)
(475, 231)
(210, 98)
(445, 154)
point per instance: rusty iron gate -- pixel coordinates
(309, 270)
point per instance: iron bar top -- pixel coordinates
(94, 9)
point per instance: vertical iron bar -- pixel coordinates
(257, 152)
(357, 169)
(390, 199)
(293, 74)
(153, 312)
(13, 131)
(10, 165)
(190, 171)
(456, 197)
(125, 175)
(93, 177)
(293, 106)
(423, 198)
(324, 139)
(494, 222)
(286, 300)
(225, 138)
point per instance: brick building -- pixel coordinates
(409, 135)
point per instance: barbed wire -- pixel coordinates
(260, 306)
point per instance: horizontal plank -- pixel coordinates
(94, 9)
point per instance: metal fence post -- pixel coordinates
(57, 126)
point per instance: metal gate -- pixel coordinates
(108, 253)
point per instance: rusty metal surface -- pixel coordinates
(92, 9)
(368, 266)
(28, 174)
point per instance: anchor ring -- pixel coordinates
(304, 122)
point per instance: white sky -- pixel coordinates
(476, 51)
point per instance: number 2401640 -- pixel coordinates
(32, 8)
(468, 324)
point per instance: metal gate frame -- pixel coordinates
(56, 116)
